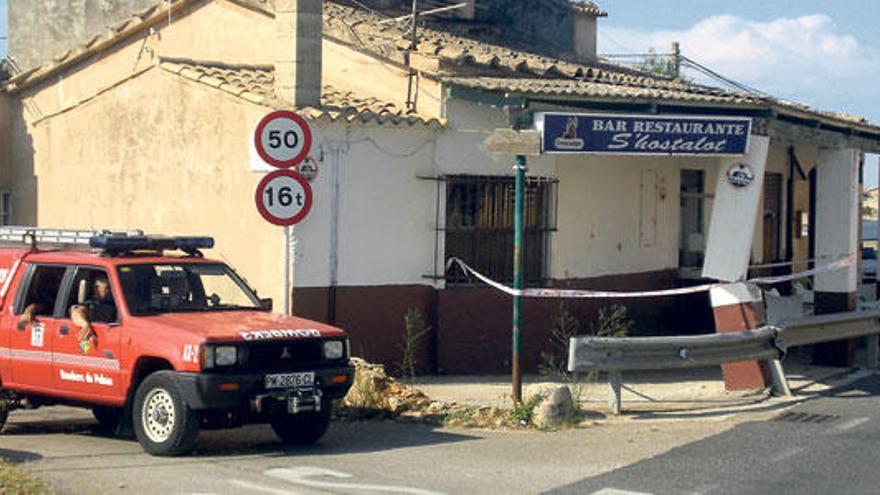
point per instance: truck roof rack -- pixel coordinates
(110, 243)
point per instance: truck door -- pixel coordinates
(30, 347)
(85, 369)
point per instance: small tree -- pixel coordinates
(414, 330)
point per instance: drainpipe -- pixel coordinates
(334, 233)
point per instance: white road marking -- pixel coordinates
(299, 476)
(247, 485)
(849, 425)
(616, 491)
(788, 454)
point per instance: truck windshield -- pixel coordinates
(185, 287)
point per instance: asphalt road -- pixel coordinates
(825, 445)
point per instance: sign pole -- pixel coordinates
(284, 197)
(287, 270)
(518, 219)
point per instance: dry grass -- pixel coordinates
(14, 481)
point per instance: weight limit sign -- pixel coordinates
(283, 139)
(284, 197)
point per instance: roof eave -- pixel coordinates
(99, 43)
(500, 98)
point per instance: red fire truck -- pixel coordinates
(178, 343)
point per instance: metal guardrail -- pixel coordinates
(661, 353)
(826, 328)
(769, 343)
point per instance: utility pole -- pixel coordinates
(411, 102)
(413, 44)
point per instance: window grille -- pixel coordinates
(479, 225)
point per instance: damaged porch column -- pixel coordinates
(299, 35)
(737, 306)
(837, 235)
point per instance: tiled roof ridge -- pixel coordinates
(342, 23)
(588, 7)
(456, 55)
(255, 83)
(338, 24)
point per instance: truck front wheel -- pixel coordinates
(303, 428)
(163, 423)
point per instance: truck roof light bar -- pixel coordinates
(44, 235)
(111, 243)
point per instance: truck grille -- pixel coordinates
(281, 356)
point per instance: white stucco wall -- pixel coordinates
(600, 216)
(460, 148)
(386, 209)
(615, 214)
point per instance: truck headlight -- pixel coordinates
(225, 355)
(334, 349)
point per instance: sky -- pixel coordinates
(824, 53)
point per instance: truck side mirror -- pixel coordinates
(266, 304)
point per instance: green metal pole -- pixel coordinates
(519, 201)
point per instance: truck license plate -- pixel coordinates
(291, 380)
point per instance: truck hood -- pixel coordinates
(242, 326)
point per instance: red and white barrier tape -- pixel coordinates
(789, 263)
(600, 294)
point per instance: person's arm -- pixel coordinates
(80, 316)
(29, 314)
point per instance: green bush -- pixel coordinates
(612, 321)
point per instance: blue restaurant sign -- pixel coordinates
(644, 134)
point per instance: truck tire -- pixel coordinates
(303, 428)
(163, 423)
(108, 417)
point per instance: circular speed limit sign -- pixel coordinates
(283, 139)
(284, 197)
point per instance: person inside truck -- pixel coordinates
(41, 294)
(98, 308)
(30, 312)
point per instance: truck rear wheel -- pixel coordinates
(303, 428)
(163, 423)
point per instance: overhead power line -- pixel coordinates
(685, 62)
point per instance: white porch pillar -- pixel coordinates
(735, 214)
(837, 217)
(837, 234)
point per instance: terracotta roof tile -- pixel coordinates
(473, 55)
(597, 89)
(255, 83)
(588, 7)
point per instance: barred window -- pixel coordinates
(479, 225)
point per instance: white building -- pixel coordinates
(405, 181)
